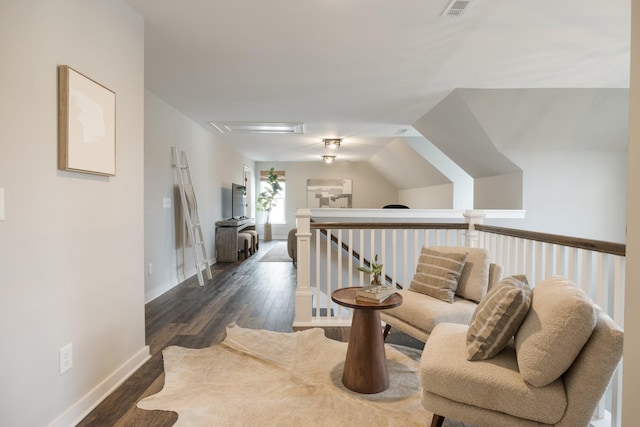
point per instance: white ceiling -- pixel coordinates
(365, 70)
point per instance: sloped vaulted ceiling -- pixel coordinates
(481, 129)
(453, 128)
(552, 119)
(402, 166)
(365, 69)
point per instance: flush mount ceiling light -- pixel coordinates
(258, 127)
(332, 143)
(328, 159)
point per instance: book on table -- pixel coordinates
(375, 293)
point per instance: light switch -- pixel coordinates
(1, 204)
(166, 203)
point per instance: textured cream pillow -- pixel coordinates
(437, 273)
(559, 323)
(498, 317)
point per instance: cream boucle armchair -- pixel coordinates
(420, 313)
(553, 373)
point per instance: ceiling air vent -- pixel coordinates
(456, 8)
(258, 127)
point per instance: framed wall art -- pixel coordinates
(86, 124)
(329, 193)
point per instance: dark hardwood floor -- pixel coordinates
(253, 294)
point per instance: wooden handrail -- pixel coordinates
(612, 248)
(618, 249)
(389, 225)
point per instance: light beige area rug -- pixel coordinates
(263, 378)
(278, 253)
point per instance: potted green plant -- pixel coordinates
(374, 269)
(267, 200)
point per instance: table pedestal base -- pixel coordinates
(365, 367)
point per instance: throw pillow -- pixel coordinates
(474, 279)
(559, 323)
(498, 317)
(437, 273)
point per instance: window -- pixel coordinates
(277, 215)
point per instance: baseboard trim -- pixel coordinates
(161, 290)
(79, 410)
(170, 285)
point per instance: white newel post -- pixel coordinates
(473, 217)
(303, 290)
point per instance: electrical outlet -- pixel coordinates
(66, 358)
(166, 202)
(150, 269)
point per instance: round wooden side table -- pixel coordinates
(365, 367)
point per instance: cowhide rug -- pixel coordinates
(264, 378)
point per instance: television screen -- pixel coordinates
(238, 201)
(225, 194)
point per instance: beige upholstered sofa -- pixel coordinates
(420, 313)
(553, 372)
(292, 245)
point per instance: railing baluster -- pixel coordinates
(548, 259)
(383, 255)
(339, 254)
(350, 255)
(372, 244)
(512, 255)
(538, 262)
(499, 256)
(601, 296)
(520, 256)
(493, 247)
(318, 264)
(586, 272)
(405, 258)
(574, 258)
(328, 273)
(618, 291)
(561, 259)
(361, 275)
(528, 258)
(394, 257)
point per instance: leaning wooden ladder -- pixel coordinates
(190, 213)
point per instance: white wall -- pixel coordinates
(214, 165)
(498, 192)
(631, 367)
(434, 197)
(573, 193)
(370, 189)
(71, 245)
(462, 181)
